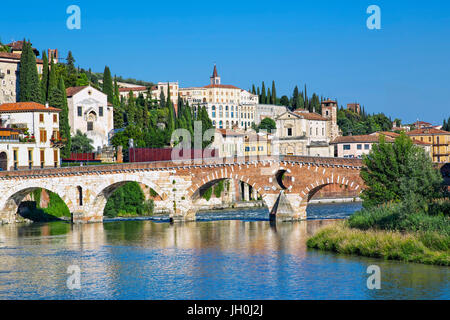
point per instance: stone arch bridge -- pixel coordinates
(285, 183)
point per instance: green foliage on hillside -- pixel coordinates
(359, 124)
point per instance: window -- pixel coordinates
(289, 132)
(366, 146)
(55, 118)
(100, 111)
(80, 111)
(90, 126)
(346, 147)
(55, 157)
(213, 114)
(359, 147)
(260, 148)
(43, 136)
(247, 149)
(41, 117)
(42, 158)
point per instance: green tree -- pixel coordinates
(44, 79)
(396, 172)
(263, 94)
(71, 71)
(284, 101)
(267, 124)
(29, 84)
(64, 126)
(108, 85)
(81, 143)
(274, 94)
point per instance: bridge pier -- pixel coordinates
(287, 207)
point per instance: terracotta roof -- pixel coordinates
(426, 131)
(10, 55)
(16, 56)
(26, 107)
(310, 116)
(133, 89)
(223, 86)
(71, 91)
(228, 132)
(386, 133)
(18, 45)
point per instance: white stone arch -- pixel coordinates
(104, 190)
(13, 196)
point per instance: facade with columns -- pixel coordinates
(308, 133)
(227, 106)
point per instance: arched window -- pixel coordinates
(226, 108)
(213, 108)
(221, 124)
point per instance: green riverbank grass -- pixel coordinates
(419, 247)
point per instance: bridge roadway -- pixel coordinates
(285, 183)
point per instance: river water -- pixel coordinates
(224, 255)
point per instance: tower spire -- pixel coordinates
(215, 79)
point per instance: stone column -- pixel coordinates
(246, 192)
(254, 194)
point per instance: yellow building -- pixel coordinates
(439, 139)
(257, 145)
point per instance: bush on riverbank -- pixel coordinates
(396, 218)
(421, 247)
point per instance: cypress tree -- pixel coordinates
(169, 104)
(29, 84)
(295, 98)
(269, 97)
(253, 89)
(258, 93)
(131, 109)
(44, 79)
(306, 99)
(52, 82)
(64, 127)
(263, 93)
(108, 85)
(35, 85)
(24, 77)
(274, 93)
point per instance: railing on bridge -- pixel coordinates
(179, 163)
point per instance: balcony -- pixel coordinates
(58, 143)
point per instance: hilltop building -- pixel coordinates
(227, 106)
(9, 72)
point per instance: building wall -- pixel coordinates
(9, 83)
(351, 149)
(18, 152)
(91, 100)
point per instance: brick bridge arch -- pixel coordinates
(177, 181)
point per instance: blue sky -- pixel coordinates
(402, 70)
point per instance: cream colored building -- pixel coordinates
(29, 136)
(9, 76)
(227, 106)
(90, 113)
(307, 133)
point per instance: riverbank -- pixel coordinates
(420, 247)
